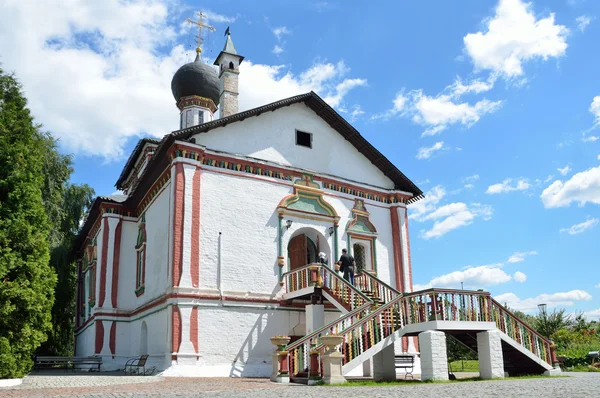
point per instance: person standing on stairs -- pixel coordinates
(346, 263)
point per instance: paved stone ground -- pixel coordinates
(111, 385)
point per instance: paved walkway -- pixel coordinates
(114, 385)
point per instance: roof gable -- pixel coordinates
(331, 117)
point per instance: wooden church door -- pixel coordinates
(297, 252)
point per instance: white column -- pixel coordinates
(367, 368)
(186, 354)
(489, 353)
(315, 317)
(186, 275)
(404, 245)
(384, 364)
(106, 341)
(332, 368)
(434, 360)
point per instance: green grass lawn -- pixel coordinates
(362, 383)
(466, 365)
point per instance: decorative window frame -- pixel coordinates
(360, 230)
(140, 258)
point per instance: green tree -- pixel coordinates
(76, 199)
(26, 279)
(548, 324)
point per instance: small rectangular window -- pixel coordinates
(303, 139)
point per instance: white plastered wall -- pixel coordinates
(157, 249)
(246, 352)
(272, 136)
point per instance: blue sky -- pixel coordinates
(491, 107)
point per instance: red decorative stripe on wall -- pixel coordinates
(195, 252)
(99, 337)
(397, 248)
(178, 204)
(194, 328)
(176, 329)
(113, 337)
(103, 262)
(115, 269)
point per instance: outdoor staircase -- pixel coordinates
(376, 314)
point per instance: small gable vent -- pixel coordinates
(303, 139)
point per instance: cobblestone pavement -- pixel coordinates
(577, 385)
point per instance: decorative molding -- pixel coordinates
(360, 222)
(196, 100)
(307, 198)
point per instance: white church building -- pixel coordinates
(208, 253)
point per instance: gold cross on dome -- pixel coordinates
(200, 25)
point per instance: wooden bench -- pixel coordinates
(51, 362)
(67, 362)
(78, 362)
(406, 362)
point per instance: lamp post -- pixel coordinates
(542, 308)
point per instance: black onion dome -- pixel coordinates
(196, 78)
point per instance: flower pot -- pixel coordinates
(331, 341)
(280, 342)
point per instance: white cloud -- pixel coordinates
(398, 107)
(335, 98)
(590, 138)
(447, 217)
(281, 31)
(468, 181)
(426, 152)
(519, 277)
(437, 113)
(506, 186)
(564, 171)
(592, 315)
(598, 285)
(552, 300)
(277, 49)
(513, 36)
(107, 77)
(583, 187)
(582, 22)
(471, 179)
(520, 256)
(356, 113)
(474, 86)
(595, 109)
(261, 84)
(581, 227)
(456, 215)
(420, 208)
(471, 277)
(549, 178)
(426, 181)
(214, 17)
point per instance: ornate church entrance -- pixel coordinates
(301, 251)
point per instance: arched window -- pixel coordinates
(359, 257)
(144, 339)
(231, 65)
(140, 248)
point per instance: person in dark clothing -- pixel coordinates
(346, 263)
